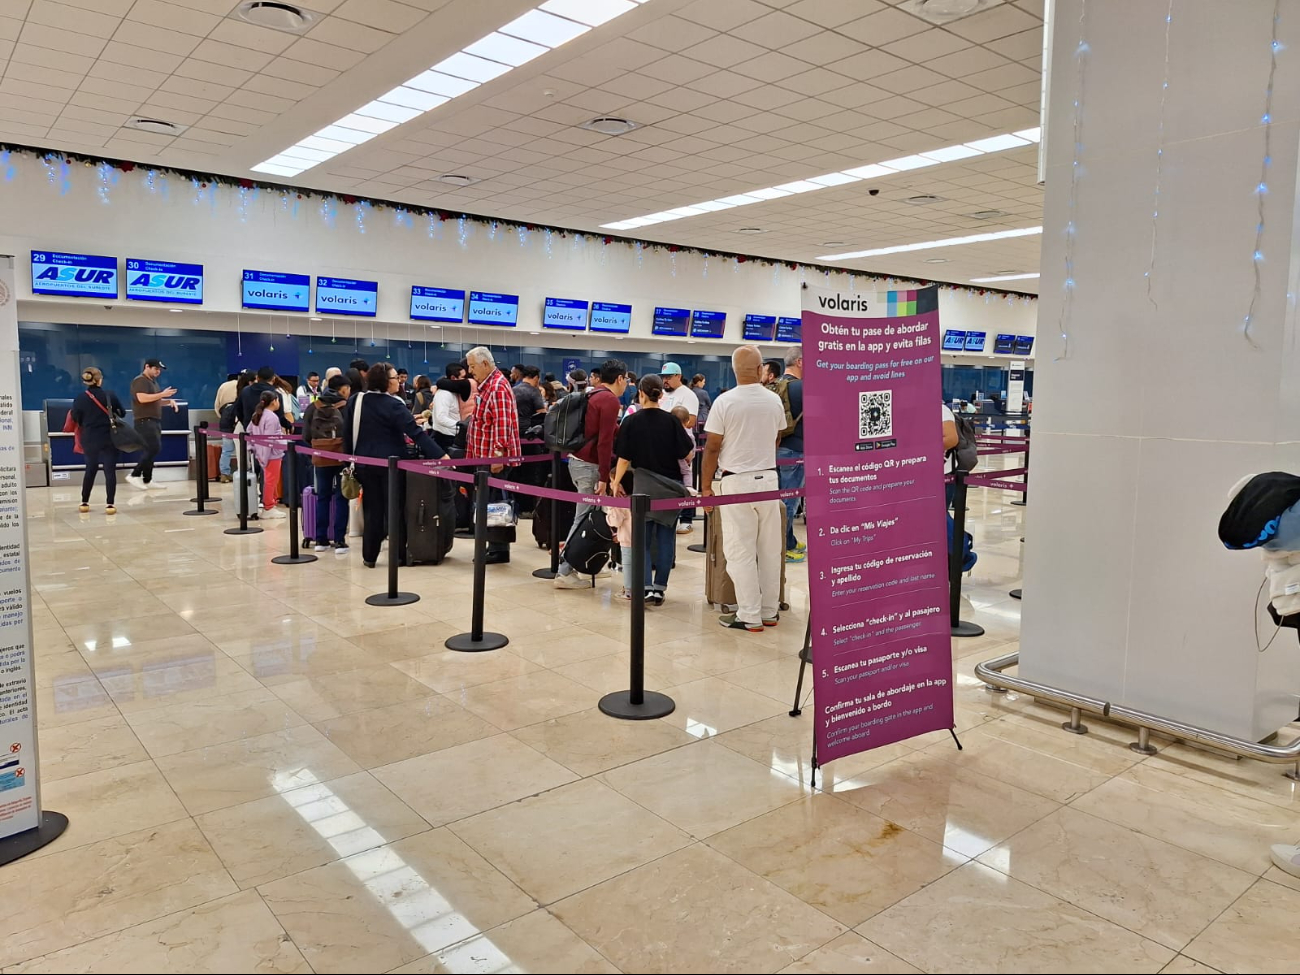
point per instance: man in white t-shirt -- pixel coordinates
(677, 393)
(743, 429)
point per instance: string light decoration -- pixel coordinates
(462, 231)
(492, 231)
(522, 233)
(360, 208)
(328, 211)
(9, 170)
(1160, 160)
(1261, 190)
(107, 180)
(1081, 74)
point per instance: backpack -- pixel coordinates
(228, 417)
(966, 453)
(588, 547)
(782, 388)
(565, 426)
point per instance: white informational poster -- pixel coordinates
(1016, 386)
(19, 789)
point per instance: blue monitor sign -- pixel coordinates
(954, 341)
(671, 321)
(73, 275)
(346, 296)
(789, 330)
(759, 328)
(277, 291)
(437, 305)
(975, 341)
(708, 324)
(1024, 344)
(488, 308)
(610, 317)
(566, 313)
(180, 284)
(1004, 343)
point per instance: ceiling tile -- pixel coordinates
(883, 27)
(589, 71)
(634, 85)
(807, 110)
(113, 8)
(868, 64)
(775, 30)
(267, 85)
(1027, 44)
(908, 79)
(979, 105)
(997, 22)
(944, 93)
(185, 103)
(251, 36)
(308, 74)
(200, 89)
(723, 14)
(854, 96)
(966, 62)
(824, 48)
(671, 33)
(346, 34)
(724, 84)
(243, 113)
(315, 52)
(833, 13)
(723, 51)
(890, 108)
(771, 67)
(79, 19)
(207, 71)
(265, 103)
(1007, 76)
(768, 97)
(682, 99)
(218, 52)
(59, 39)
(816, 81)
(74, 64)
(386, 15)
(173, 17)
(160, 39)
(724, 111)
(677, 69)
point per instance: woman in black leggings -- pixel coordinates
(90, 411)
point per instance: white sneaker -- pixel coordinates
(136, 481)
(340, 550)
(155, 486)
(273, 513)
(574, 581)
(1287, 858)
(685, 529)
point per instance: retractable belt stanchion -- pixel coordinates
(396, 528)
(554, 540)
(476, 640)
(295, 557)
(956, 550)
(702, 546)
(636, 703)
(241, 485)
(201, 472)
(1024, 494)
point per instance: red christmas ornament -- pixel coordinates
(349, 200)
(741, 259)
(203, 185)
(245, 184)
(126, 167)
(608, 240)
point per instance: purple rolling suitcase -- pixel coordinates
(309, 513)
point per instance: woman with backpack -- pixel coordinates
(93, 411)
(228, 420)
(323, 429)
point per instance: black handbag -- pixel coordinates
(124, 437)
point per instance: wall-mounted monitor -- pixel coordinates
(789, 330)
(709, 324)
(671, 321)
(759, 328)
(609, 316)
(975, 341)
(565, 313)
(954, 341)
(346, 296)
(489, 308)
(1004, 344)
(73, 275)
(437, 304)
(1024, 345)
(180, 284)
(277, 291)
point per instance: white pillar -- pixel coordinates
(1151, 407)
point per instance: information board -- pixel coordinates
(759, 328)
(180, 284)
(566, 313)
(877, 534)
(346, 296)
(708, 324)
(73, 275)
(489, 308)
(671, 321)
(609, 316)
(276, 291)
(789, 330)
(437, 304)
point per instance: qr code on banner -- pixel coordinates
(876, 414)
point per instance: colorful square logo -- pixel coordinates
(902, 303)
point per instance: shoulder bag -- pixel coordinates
(349, 486)
(124, 437)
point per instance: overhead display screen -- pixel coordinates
(73, 275)
(488, 308)
(277, 291)
(437, 305)
(975, 341)
(759, 328)
(671, 321)
(566, 313)
(610, 317)
(709, 324)
(789, 330)
(954, 341)
(1004, 344)
(346, 296)
(1024, 345)
(164, 281)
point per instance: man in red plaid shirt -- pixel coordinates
(494, 429)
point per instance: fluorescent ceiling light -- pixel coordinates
(394, 113)
(590, 12)
(951, 153)
(305, 152)
(543, 28)
(440, 84)
(1005, 277)
(800, 186)
(1033, 135)
(462, 65)
(771, 193)
(708, 205)
(998, 143)
(867, 172)
(685, 211)
(506, 50)
(413, 98)
(276, 170)
(833, 179)
(366, 123)
(903, 163)
(740, 199)
(332, 146)
(344, 134)
(931, 244)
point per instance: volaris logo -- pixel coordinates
(84, 275)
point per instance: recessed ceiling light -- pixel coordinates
(943, 11)
(175, 311)
(157, 125)
(609, 125)
(456, 179)
(832, 243)
(923, 199)
(987, 214)
(751, 230)
(315, 319)
(936, 260)
(276, 15)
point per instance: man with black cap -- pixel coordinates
(147, 401)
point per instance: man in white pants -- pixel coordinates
(743, 428)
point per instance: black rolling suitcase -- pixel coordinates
(542, 514)
(430, 519)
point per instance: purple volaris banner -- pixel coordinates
(877, 533)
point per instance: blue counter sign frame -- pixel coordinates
(73, 275)
(789, 330)
(346, 296)
(1004, 343)
(167, 281)
(671, 321)
(569, 314)
(1024, 345)
(975, 341)
(607, 316)
(437, 305)
(759, 328)
(276, 291)
(708, 324)
(954, 340)
(490, 308)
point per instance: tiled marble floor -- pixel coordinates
(265, 775)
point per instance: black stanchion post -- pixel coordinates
(960, 627)
(396, 526)
(476, 640)
(1024, 494)
(636, 703)
(241, 485)
(703, 545)
(201, 472)
(295, 557)
(554, 540)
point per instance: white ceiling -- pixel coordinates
(731, 95)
